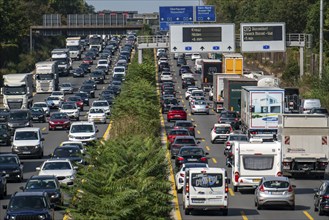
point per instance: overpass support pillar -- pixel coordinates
(140, 56)
(301, 61)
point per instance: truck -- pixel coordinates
(291, 100)
(232, 63)
(96, 41)
(74, 46)
(232, 92)
(267, 81)
(209, 67)
(46, 76)
(62, 56)
(260, 108)
(18, 90)
(218, 89)
(304, 140)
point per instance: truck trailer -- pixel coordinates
(46, 76)
(62, 56)
(232, 63)
(209, 68)
(304, 140)
(74, 46)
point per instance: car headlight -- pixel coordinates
(66, 122)
(36, 146)
(93, 136)
(42, 217)
(56, 195)
(71, 136)
(50, 122)
(70, 177)
(10, 124)
(27, 123)
(14, 146)
(4, 135)
(10, 217)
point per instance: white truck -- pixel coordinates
(96, 41)
(62, 56)
(46, 76)
(304, 140)
(74, 46)
(260, 107)
(252, 160)
(18, 90)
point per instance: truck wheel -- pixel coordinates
(187, 211)
(235, 188)
(225, 212)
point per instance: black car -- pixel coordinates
(189, 81)
(89, 89)
(29, 205)
(91, 54)
(38, 114)
(70, 152)
(5, 136)
(319, 111)
(78, 72)
(163, 65)
(109, 97)
(4, 113)
(11, 166)
(321, 198)
(3, 185)
(86, 67)
(181, 141)
(168, 90)
(98, 76)
(84, 97)
(229, 117)
(117, 83)
(188, 154)
(48, 184)
(181, 61)
(167, 103)
(118, 77)
(103, 68)
(184, 69)
(19, 118)
(116, 89)
(90, 82)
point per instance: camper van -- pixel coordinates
(205, 189)
(253, 160)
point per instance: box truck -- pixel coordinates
(232, 63)
(260, 107)
(209, 67)
(46, 76)
(62, 56)
(304, 140)
(74, 46)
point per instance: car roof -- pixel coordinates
(82, 123)
(8, 154)
(183, 121)
(271, 178)
(185, 137)
(36, 193)
(222, 125)
(28, 129)
(57, 160)
(43, 177)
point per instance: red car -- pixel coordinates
(59, 120)
(77, 100)
(172, 134)
(176, 113)
(88, 60)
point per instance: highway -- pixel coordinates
(54, 138)
(241, 204)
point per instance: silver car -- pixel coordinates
(67, 88)
(275, 190)
(200, 106)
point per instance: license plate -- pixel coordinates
(59, 126)
(35, 118)
(198, 200)
(222, 136)
(192, 159)
(177, 115)
(256, 180)
(26, 152)
(276, 193)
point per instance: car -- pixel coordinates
(176, 113)
(78, 72)
(168, 90)
(119, 77)
(90, 82)
(75, 143)
(38, 114)
(61, 168)
(78, 101)
(162, 59)
(195, 56)
(103, 104)
(5, 135)
(3, 185)
(86, 67)
(162, 66)
(160, 50)
(48, 184)
(181, 61)
(180, 174)
(59, 120)
(12, 167)
(53, 101)
(98, 76)
(119, 69)
(109, 97)
(188, 154)
(29, 205)
(4, 113)
(84, 97)
(167, 84)
(67, 88)
(185, 124)
(88, 89)
(114, 88)
(164, 97)
(188, 81)
(42, 105)
(275, 190)
(28, 142)
(189, 91)
(231, 138)
(71, 109)
(166, 76)
(319, 111)
(181, 141)
(229, 117)
(321, 198)
(196, 99)
(83, 131)
(19, 118)
(103, 63)
(184, 69)
(220, 132)
(96, 115)
(122, 62)
(70, 152)
(59, 94)
(173, 133)
(92, 54)
(196, 94)
(200, 106)
(88, 60)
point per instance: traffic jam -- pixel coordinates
(224, 158)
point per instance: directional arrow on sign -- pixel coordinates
(229, 47)
(174, 48)
(202, 48)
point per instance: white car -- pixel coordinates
(71, 109)
(82, 131)
(75, 143)
(120, 70)
(160, 50)
(61, 168)
(162, 59)
(54, 101)
(59, 94)
(103, 104)
(198, 65)
(196, 93)
(166, 76)
(189, 91)
(103, 62)
(96, 114)
(211, 94)
(42, 105)
(180, 175)
(195, 56)
(220, 133)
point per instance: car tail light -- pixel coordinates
(193, 106)
(207, 106)
(279, 174)
(261, 188)
(236, 176)
(226, 187)
(323, 164)
(182, 174)
(291, 103)
(236, 119)
(253, 132)
(228, 143)
(180, 158)
(203, 159)
(325, 197)
(187, 188)
(231, 130)
(290, 189)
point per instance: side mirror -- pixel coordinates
(37, 168)
(97, 131)
(207, 153)
(228, 181)
(42, 139)
(21, 188)
(75, 167)
(4, 206)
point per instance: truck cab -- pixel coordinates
(62, 56)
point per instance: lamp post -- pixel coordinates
(321, 40)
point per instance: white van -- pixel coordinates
(253, 160)
(307, 104)
(198, 65)
(28, 142)
(205, 189)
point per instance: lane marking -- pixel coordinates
(203, 140)
(198, 132)
(214, 160)
(183, 101)
(189, 114)
(208, 148)
(106, 134)
(244, 217)
(231, 192)
(308, 215)
(43, 129)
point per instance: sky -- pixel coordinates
(142, 6)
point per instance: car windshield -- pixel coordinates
(200, 103)
(238, 138)
(41, 184)
(57, 166)
(73, 98)
(66, 85)
(96, 110)
(184, 124)
(19, 116)
(100, 104)
(184, 141)
(58, 116)
(86, 88)
(26, 135)
(222, 130)
(53, 98)
(119, 70)
(36, 110)
(67, 106)
(57, 93)
(39, 105)
(67, 152)
(191, 151)
(8, 160)
(102, 62)
(206, 180)
(27, 203)
(177, 108)
(228, 115)
(276, 184)
(82, 129)
(179, 132)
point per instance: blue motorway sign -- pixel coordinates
(164, 26)
(177, 13)
(205, 13)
